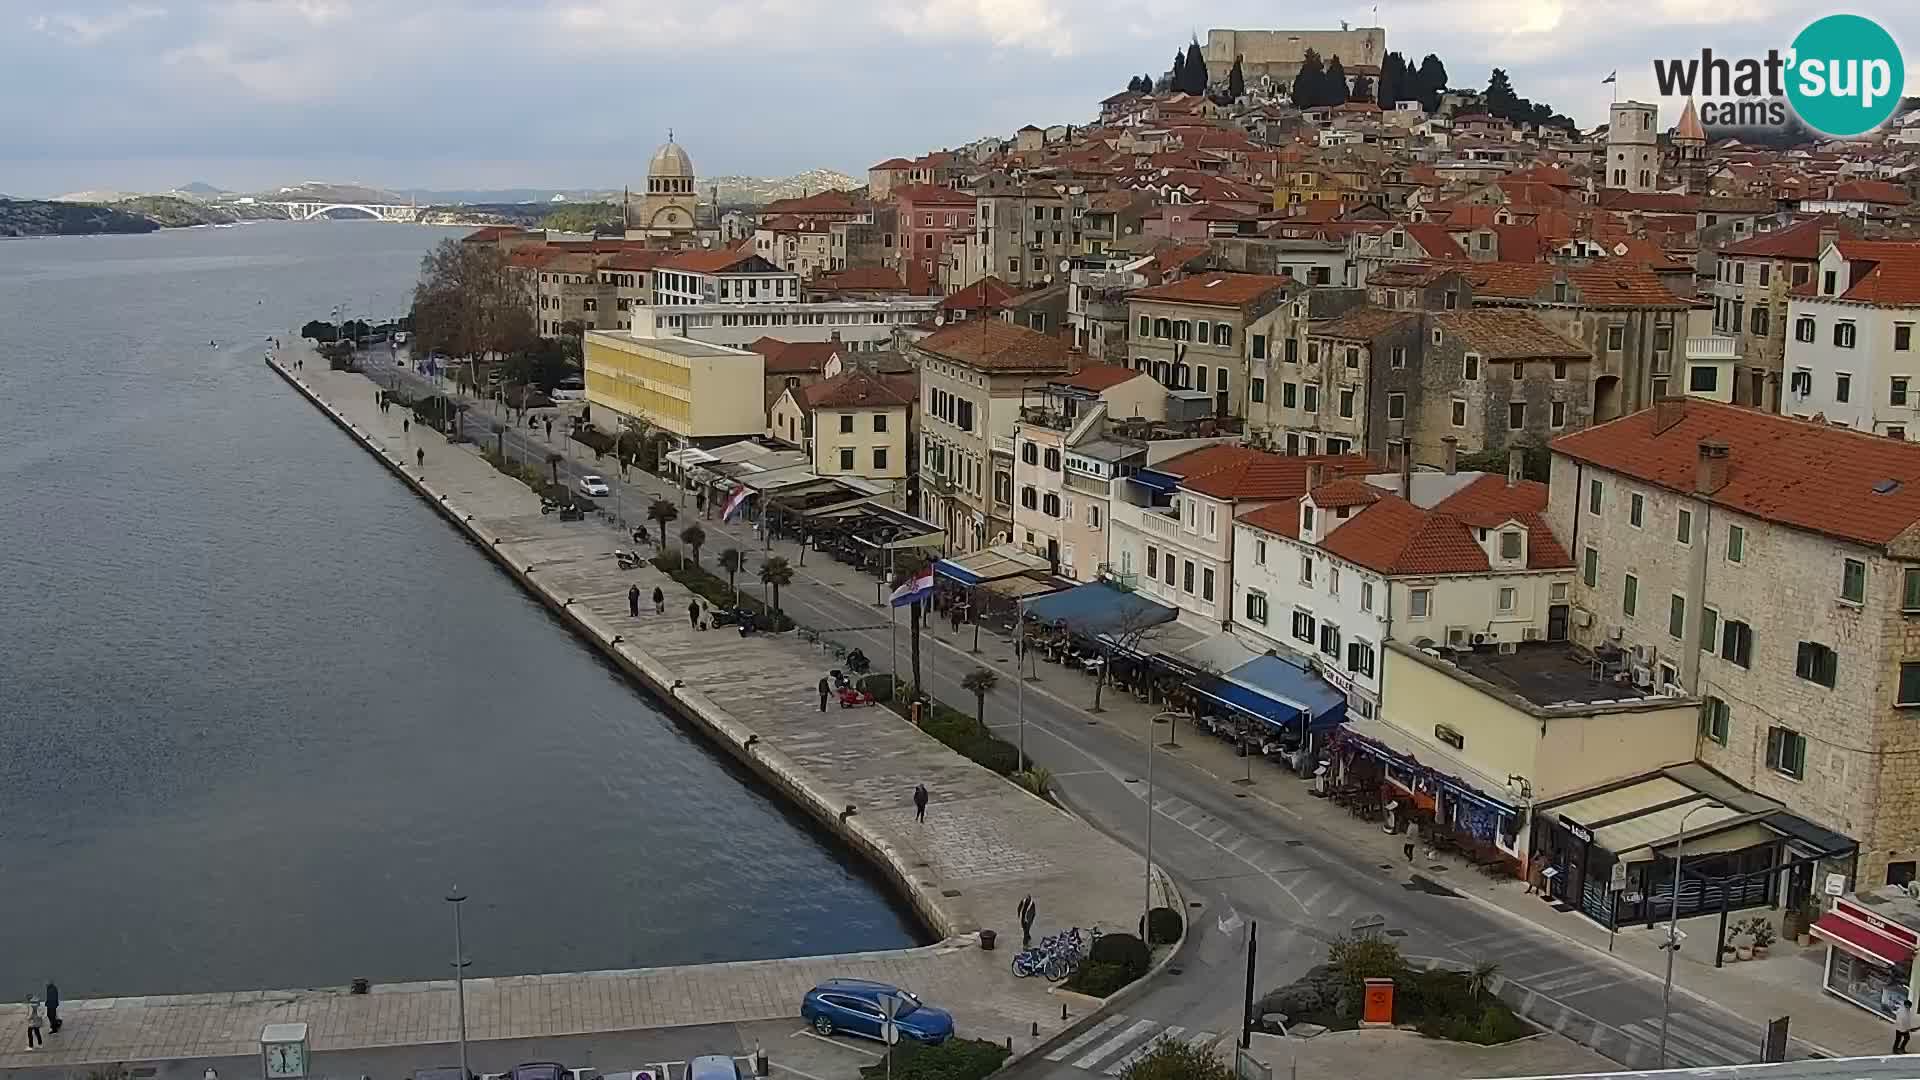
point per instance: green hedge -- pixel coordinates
(955, 1059)
(1098, 980)
(714, 590)
(1127, 952)
(958, 730)
(1164, 926)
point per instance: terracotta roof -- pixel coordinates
(1346, 491)
(1869, 191)
(1258, 474)
(1886, 273)
(988, 292)
(1411, 275)
(1099, 377)
(1509, 334)
(932, 195)
(794, 357)
(820, 202)
(996, 345)
(892, 163)
(1393, 536)
(1281, 518)
(705, 262)
(1362, 323)
(855, 390)
(1214, 288)
(1604, 286)
(1800, 240)
(1689, 125)
(637, 260)
(1490, 501)
(487, 234)
(1807, 475)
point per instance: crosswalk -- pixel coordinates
(1693, 1042)
(1113, 1044)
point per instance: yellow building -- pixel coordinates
(855, 424)
(678, 385)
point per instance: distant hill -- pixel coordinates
(760, 190)
(200, 188)
(321, 191)
(33, 217)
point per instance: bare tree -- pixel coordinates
(469, 303)
(1132, 633)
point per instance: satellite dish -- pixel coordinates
(1065, 265)
(940, 319)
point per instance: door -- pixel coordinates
(1556, 622)
(1053, 554)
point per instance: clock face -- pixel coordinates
(286, 1060)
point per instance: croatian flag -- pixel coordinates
(914, 589)
(735, 502)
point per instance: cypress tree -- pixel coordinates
(1196, 69)
(1236, 81)
(1432, 81)
(1179, 80)
(1334, 89)
(1307, 81)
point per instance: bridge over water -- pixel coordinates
(307, 211)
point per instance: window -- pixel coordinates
(1803, 328)
(1360, 658)
(1186, 576)
(1853, 581)
(1290, 352)
(1510, 544)
(1399, 356)
(1759, 323)
(1366, 596)
(1843, 335)
(1333, 581)
(1306, 524)
(1419, 603)
(1910, 590)
(1787, 752)
(1902, 337)
(1590, 567)
(1897, 391)
(1677, 617)
(1630, 597)
(1516, 415)
(1259, 346)
(1736, 544)
(1459, 413)
(1713, 720)
(1257, 391)
(1259, 553)
(1593, 497)
(1842, 387)
(1509, 596)
(1636, 509)
(1310, 398)
(1306, 562)
(1472, 366)
(1353, 357)
(1153, 561)
(1346, 402)
(1206, 584)
(1289, 396)
(1703, 379)
(846, 423)
(1736, 643)
(1816, 663)
(1709, 629)
(1616, 338)
(846, 458)
(1560, 371)
(1222, 334)
(1519, 371)
(1170, 562)
(1029, 497)
(1683, 527)
(1303, 626)
(1146, 327)
(1828, 279)
(1909, 685)
(1257, 607)
(1396, 406)
(1329, 639)
(1200, 374)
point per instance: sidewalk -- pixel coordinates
(985, 843)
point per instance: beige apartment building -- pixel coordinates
(1197, 333)
(680, 386)
(1048, 519)
(855, 424)
(1771, 567)
(1025, 233)
(973, 376)
(1751, 282)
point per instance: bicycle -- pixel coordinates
(1057, 956)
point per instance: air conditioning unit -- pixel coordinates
(1616, 632)
(1644, 655)
(1508, 648)
(1481, 639)
(1582, 617)
(1531, 633)
(1642, 677)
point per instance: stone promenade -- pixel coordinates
(984, 846)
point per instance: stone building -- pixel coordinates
(1278, 54)
(1633, 147)
(1196, 333)
(669, 207)
(1771, 567)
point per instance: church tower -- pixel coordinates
(1690, 151)
(667, 209)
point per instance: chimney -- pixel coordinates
(1667, 411)
(1452, 443)
(1516, 465)
(1313, 476)
(1711, 473)
(1406, 469)
(1829, 235)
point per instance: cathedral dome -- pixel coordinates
(670, 162)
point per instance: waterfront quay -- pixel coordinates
(985, 843)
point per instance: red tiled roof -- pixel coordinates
(1799, 473)
(1797, 241)
(637, 260)
(1214, 288)
(1886, 273)
(794, 357)
(1604, 286)
(1393, 536)
(1281, 518)
(1869, 191)
(1346, 491)
(1258, 474)
(856, 390)
(891, 163)
(705, 262)
(487, 234)
(1099, 377)
(989, 292)
(932, 195)
(997, 345)
(1490, 501)
(1361, 323)
(1508, 334)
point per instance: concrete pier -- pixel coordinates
(984, 845)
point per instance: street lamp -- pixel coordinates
(1673, 919)
(1146, 913)
(456, 898)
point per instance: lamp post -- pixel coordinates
(1673, 919)
(456, 898)
(1146, 931)
(1020, 673)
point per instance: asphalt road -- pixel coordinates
(1238, 858)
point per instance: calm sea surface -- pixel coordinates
(259, 707)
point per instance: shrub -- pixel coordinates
(1125, 951)
(955, 729)
(1037, 779)
(715, 591)
(955, 1059)
(1164, 926)
(1355, 958)
(1175, 1059)
(1098, 980)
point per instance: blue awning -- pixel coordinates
(1153, 480)
(947, 568)
(1267, 710)
(1098, 608)
(1291, 685)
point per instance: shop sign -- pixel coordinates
(1618, 880)
(1580, 833)
(1836, 885)
(1449, 736)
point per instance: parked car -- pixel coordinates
(714, 1067)
(595, 486)
(855, 1007)
(540, 1070)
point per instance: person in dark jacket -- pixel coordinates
(825, 690)
(693, 614)
(659, 601)
(920, 802)
(633, 600)
(53, 1008)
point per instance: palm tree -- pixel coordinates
(731, 561)
(980, 682)
(694, 537)
(776, 572)
(662, 513)
(554, 458)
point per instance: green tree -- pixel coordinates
(776, 572)
(1391, 89)
(1334, 90)
(695, 538)
(1432, 82)
(1177, 1059)
(1236, 81)
(1359, 956)
(1308, 81)
(980, 682)
(1362, 89)
(1500, 99)
(661, 512)
(731, 561)
(1195, 69)
(1146, 84)
(1178, 80)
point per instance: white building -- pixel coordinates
(1449, 559)
(1851, 357)
(722, 277)
(863, 324)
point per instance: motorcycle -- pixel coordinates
(858, 663)
(572, 513)
(628, 560)
(840, 680)
(548, 506)
(731, 616)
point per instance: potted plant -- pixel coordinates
(1760, 933)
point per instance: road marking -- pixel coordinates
(1718, 1039)
(787, 1068)
(812, 1034)
(1060, 1053)
(1554, 984)
(1139, 1028)
(1143, 1050)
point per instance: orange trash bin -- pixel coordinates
(1378, 1006)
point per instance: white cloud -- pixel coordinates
(89, 29)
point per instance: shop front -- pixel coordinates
(1455, 807)
(1869, 957)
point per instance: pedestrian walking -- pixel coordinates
(53, 1008)
(919, 802)
(549, 427)
(693, 614)
(1027, 914)
(659, 601)
(1904, 1022)
(33, 1024)
(404, 426)
(826, 689)
(420, 457)
(633, 600)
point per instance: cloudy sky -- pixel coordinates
(149, 94)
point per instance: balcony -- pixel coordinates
(1052, 419)
(1160, 523)
(1089, 485)
(1713, 348)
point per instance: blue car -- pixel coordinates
(854, 1006)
